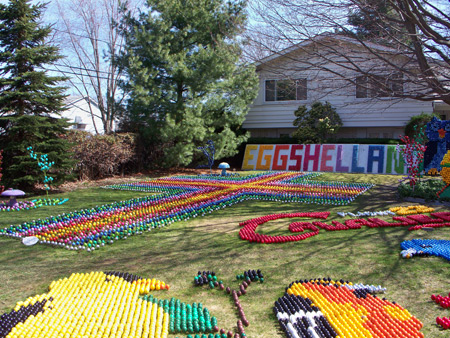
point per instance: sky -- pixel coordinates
(50, 15)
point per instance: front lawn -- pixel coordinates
(175, 253)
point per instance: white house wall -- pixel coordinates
(79, 108)
(354, 112)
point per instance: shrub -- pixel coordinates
(100, 156)
(364, 141)
(270, 140)
(317, 124)
(425, 189)
(417, 123)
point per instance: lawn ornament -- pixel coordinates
(209, 150)
(224, 166)
(12, 194)
(44, 165)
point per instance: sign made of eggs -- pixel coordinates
(101, 305)
(325, 308)
(414, 222)
(180, 198)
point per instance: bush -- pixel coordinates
(317, 124)
(416, 123)
(100, 156)
(271, 140)
(290, 140)
(425, 189)
(364, 141)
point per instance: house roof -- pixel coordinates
(79, 102)
(74, 99)
(322, 38)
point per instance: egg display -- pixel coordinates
(445, 173)
(329, 308)
(104, 305)
(427, 247)
(411, 210)
(33, 204)
(443, 301)
(413, 222)
(179, 198)
(249, 276)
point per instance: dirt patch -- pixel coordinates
(388, 193)
(83, 184)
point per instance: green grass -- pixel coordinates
(175, 253)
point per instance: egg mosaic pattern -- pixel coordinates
(412, 210)
(33, 204)
(104, 305)
(329, 308)
(443, 301)
(210, 278)
(426, 247)
(414, 222)
(179, 198)
(445, 173)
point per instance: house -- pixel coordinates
(324, 69)
(84, 113)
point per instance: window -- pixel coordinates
(286, 90)
(379, 85)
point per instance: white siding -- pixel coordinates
(324, 86)
(358, 114)
(78, 109)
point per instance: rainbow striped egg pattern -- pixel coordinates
(180, 198)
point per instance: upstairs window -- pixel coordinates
(286, 90)
(379, 85)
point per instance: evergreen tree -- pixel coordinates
(373, 20)
(29, 97)
(186, 83)
(316, 124)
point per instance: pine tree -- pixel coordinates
(186, 83)
(316, 124)
(29, 98)
(374, 20)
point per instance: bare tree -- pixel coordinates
(408, 58)
(260, 43)
(91, 40)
